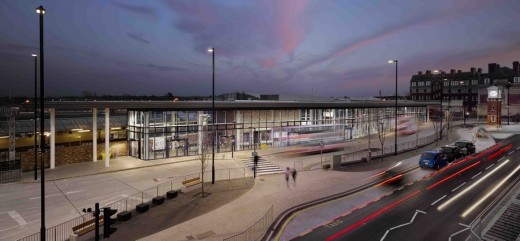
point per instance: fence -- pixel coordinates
(360, 152)
(10, 171)
(255, 231)
(62, 231)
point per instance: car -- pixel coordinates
(466, 147)
(433, 159)
(451, 152)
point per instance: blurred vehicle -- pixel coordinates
(451, 152)
(466, 147)
(406, 125)
(307, 139)
(392, 176)
(433, 159)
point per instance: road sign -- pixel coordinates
(322, 143)
(254, 153)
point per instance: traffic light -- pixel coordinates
(108, 222)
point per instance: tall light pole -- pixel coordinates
(449, 106)
(508, 86)
(395, 129)
(41, 11)
(212, 51)
(35, 57)
(442, 97)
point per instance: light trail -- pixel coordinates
(445, 204)
(476, 204)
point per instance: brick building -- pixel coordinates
(470, 87)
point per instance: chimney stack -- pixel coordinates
(452, 71)
(493, 67)
(472, 70)
(516, 67)
(428, 72)
(479, 70)
(459, 71)
(419, 73)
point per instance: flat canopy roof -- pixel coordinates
(224, 105)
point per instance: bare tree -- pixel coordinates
(382, 129)
(204, 153)
(435, 118)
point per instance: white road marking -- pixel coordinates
(16, 216)
(438, 200)
(476, 175)
(490, 166)
(2, 230)
(404, 224)
(53, 195)
(458, 187)
(38, 197)
(71, 192)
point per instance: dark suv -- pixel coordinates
(451, 152)
(466, 147)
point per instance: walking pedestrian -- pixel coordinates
(294, 175)
(287, 174)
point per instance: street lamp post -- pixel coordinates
(508, 86)
(395, 129)
(212, 51)
(449, 106)
(35, 57)
(41, 11)
(442, 97)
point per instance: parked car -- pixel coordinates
(433, 159)
(451, 152)
(466, 147)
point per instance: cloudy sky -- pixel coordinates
(320, 47)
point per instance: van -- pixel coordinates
(433, 159)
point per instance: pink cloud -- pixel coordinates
(268, 63)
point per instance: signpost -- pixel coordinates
(321, 151)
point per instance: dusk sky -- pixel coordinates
(295, 47)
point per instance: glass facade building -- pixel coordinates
(157, 134)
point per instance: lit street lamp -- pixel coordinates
(442, 96)
(212, 51)
(41, 11)
(395, 130)
(35, 57)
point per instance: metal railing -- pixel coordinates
(255, 231)
(359, 152)
(62, 231)
(10, 176)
